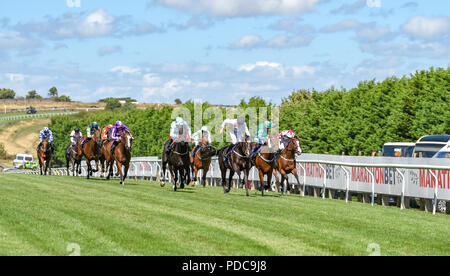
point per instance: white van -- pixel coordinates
(444, 152)
(22, 159)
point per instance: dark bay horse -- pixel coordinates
(122, 156)
(179, 163)
(74, 156)
(238, 161)
(45, 157)
(265, 161)
(92, 152)
(202, 159)
(286, 163)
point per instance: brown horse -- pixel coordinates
(122, 156)
(286, 163)
(45, 156)
(265, 161)
(202, 159)
(92, 152)
(237, 161)
(74, 156)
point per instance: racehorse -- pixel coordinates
(286, 163)
(122, 156)
(92, 151)
(179, 163)
(74, 155)
(202, 159)
(45, 156)
(238, 161)
(265, 161)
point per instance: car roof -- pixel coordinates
(443, 138)
(399, 144)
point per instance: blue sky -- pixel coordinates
(218, 51)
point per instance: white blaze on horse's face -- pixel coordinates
(129, 141)
(298, 147)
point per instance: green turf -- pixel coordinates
(43, 215)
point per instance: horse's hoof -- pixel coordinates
(162, 184)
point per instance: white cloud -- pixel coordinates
(427, 27)
(239, 8)
(15, 77)
(98, 23)
(125, 70)
(247, 42)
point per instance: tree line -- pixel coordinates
(6, 93)
(361, 119)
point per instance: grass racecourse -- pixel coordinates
(48, 215)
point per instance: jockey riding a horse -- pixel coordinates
(106, 132)
(90, 130)
(262, 132)
(116, 132)
(284, 137)
(197, 137)
(175, 128)
(75, 135)
(238, 131)
(44, 133)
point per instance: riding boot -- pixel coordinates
(255, 151)
(39, 147)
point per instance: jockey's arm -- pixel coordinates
(173, 127)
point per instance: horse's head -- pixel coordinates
(246, 146)
(45, 145)
(272, 144)
(127, 140)
(296, 145)
(97, 137)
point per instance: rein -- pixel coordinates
(267, 161)
(284, 150)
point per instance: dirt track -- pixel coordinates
(22, 137)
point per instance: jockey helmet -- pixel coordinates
(94, 125)
(77, 130)
(267, 124)
(119, 124)
(46, 130)
(179, 120)
(205, 128)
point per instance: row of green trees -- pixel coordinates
(6, 93)
(335, 120)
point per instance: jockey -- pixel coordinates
(116, 132)
(238, 129)
(175, 127)
(106, 132)
(197, 137)
(284, 136)
(75, 135)
(90, 130)
(44, 133)
(262, 132)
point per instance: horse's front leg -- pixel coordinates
(246, 172)
(119, 168)
(261, 179)
(205, 171)
(125, 172)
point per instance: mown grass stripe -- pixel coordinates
(40, 215)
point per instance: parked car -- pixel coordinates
(428, 146)
(398, 149)
(22, 159)
(31, 110)
(444, 152)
